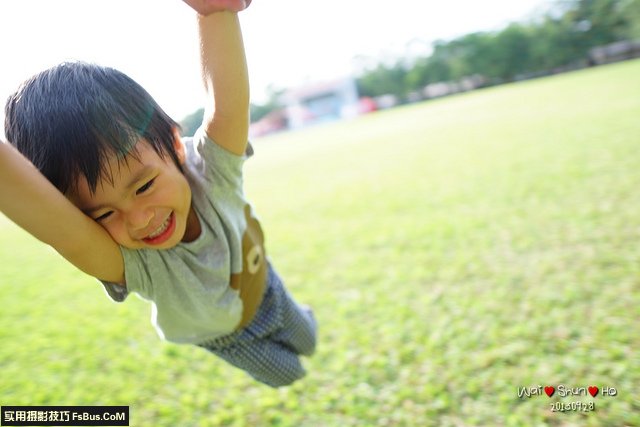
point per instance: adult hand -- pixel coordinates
(207, 7)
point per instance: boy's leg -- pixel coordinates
(299, 326)
(266, 361)
(268, 348)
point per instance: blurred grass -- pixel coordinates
(454, 251)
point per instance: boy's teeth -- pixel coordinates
(160, 229)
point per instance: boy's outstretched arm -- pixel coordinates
(32, 202)
(226, 80)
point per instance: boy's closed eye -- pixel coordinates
(139, 191)
(103, 217)
(145, 187)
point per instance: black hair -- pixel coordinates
(68, 120)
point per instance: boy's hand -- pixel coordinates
(207, 7)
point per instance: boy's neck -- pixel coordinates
(193, 229)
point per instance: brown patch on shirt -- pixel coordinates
(251, 282)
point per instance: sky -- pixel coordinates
(288, 42)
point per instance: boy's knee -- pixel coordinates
(309, 347)
(279, 373)
(282, 379)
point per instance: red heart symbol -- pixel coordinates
(593, 390)
(549, 390)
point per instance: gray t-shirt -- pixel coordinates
(189, 285)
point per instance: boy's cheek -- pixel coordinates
(117, 234)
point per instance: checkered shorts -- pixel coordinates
(269, 347)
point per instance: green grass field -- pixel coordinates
(455, 251)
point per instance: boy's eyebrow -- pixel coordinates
(138, 176)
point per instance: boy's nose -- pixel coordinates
(138, 219)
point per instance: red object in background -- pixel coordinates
(367, 105)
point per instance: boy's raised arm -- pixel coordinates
(224, 72)
(32, 202)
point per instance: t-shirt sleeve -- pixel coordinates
(116, 292)
(223, 166)
(134, 273)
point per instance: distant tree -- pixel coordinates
(273, 103)
(553, 44)
(631, 10)
(511, 53)
(383, 80)
(258, 111)
(190, 124)
(474, 54)
(432, 69)
(597, 22)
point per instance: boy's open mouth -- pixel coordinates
(163, 232)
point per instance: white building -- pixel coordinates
(321, 102)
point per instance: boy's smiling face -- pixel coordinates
(146, 204)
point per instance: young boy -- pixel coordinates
(120, 195)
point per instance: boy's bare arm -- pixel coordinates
(206, 7)
(224, 71)
(32, 202)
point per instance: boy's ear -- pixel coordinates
(178, 146)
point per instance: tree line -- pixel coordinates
(559, 38)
